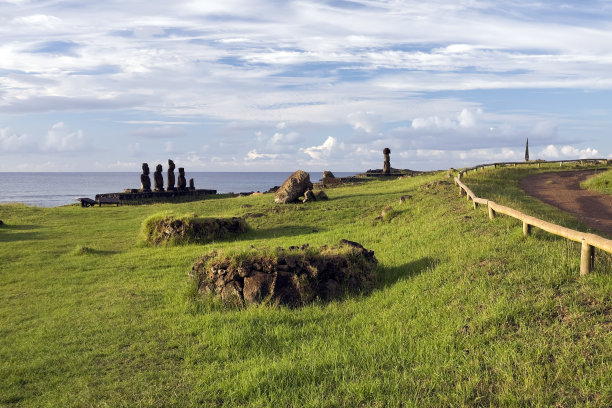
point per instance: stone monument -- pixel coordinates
(387, 162)
(182, 181)
(158, 178)
(145, 181)
(170, 176)
(191, 185)
(527, 150)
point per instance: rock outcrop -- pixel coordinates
(329, 179)
(293, 276)
(294, 187)
(167, 229)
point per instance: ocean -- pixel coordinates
(55, 189)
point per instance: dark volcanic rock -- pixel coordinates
(192, 229)
(294, 187)
(309, 196)
(293, 276)
(320, 195)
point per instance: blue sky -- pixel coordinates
(246, 85)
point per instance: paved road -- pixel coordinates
(562, 190)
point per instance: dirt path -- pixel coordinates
(562, 190)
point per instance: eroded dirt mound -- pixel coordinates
(293, 276)
(190, 229)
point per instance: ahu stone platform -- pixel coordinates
(135, 196)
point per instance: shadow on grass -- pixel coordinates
(388, 276)
(16, 234)
(84, 250)
(283, 231)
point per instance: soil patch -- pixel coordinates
(562, 190)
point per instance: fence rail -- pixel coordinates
(538, 162)
(589, 241)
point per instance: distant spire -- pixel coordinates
(527, 150)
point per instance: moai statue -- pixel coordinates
(182, 181)
(170, 176)
(145, 181)
(191, 185)
(158, 178)
(387, 162)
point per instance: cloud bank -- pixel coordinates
(312, 82)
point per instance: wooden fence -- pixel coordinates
(589, 241)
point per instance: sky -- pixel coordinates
(277, 85)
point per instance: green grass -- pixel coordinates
(466, 311)
(601, 183)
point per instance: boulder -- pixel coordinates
(309, 196)
(294, 187)
(405, 198)
(292, 276)
(320, 195)
(329, 179)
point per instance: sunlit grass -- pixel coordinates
(601, 183)
(466, 311)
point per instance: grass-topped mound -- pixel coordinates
(293, 276)
(165, 228)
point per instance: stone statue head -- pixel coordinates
(145, 168)
(386, 150)
(181, 171)
(170, 165)
(158, 168)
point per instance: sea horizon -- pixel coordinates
(52, 189)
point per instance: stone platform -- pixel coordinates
(129, 197)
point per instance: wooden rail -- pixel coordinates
(589, 241)
(538, 162)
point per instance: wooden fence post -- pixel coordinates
(526, 229)
(491, 213)
(587, 258)
(460, 190)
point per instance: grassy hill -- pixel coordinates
(601, 183)
(466, 311)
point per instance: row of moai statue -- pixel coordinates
(158, 178)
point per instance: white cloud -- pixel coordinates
(253, 155)
(39, 20)
(169, 147)
(366, 121)
(467, 118)
(61, 139)
(322, 151)
(11, 141)
(552, 152)
(287, 139)
(316, 67)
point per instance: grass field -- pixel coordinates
(601, 183)
(466, 311)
